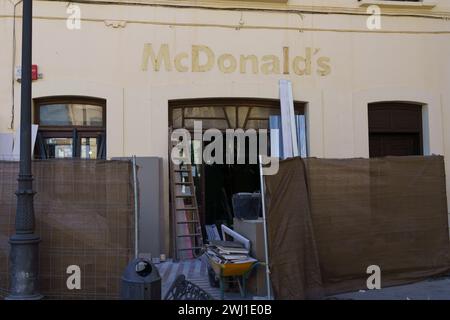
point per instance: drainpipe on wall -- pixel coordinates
(11, 126)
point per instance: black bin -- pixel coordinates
(140, 281)
(247, 206)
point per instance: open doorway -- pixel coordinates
(221, 182)
(215, 184)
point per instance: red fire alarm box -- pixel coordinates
(34, 72)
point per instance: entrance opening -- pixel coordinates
(215, 184)
(395, 129)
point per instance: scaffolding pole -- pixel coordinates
(266, 244)
(136, 209)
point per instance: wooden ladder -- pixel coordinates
(188, 242)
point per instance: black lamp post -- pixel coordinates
(24, 253)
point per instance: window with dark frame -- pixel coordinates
(395, 129)
(70, 127)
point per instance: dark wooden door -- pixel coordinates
(394, 144)
(395, 129)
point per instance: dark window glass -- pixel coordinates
(395, 129)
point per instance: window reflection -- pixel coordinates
(59, 148)
(71, 115)
(89, 148)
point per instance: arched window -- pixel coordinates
(234, 113)
(70, 127)
(395, 129)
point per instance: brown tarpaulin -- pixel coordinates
(330, 219)
(84, 215)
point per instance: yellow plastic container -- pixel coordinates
(231, 269)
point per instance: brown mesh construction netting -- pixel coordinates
(84, 215)
(330, 219)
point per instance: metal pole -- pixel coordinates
(24, 252)
(266, 245)
(136, 210)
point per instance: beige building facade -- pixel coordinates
(140, 55)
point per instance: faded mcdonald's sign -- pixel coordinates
(203, 59)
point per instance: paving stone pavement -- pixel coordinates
(431, 289)
(195, 271)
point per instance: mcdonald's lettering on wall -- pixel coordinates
(203, 59)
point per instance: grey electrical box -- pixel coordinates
(151, 213)
(140, 281)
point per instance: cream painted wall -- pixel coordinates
(366, 66)
(6, 67)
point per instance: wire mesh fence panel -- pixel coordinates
(84, 215)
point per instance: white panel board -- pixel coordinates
(289, 132)
(6, 146)
(16, 147)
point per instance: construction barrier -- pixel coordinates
(85, 218)
(329, 220)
